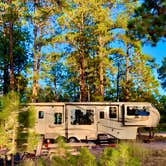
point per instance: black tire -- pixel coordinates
(73, 140)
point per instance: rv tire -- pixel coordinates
(73, 140)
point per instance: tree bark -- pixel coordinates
(127, 74)
(101, 73)
(35, 71)
(101, 69)
(11, 73)
(6, 66)
(82, 65)
(117, 84)
(36, 61)
(82, 80)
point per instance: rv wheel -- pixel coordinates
(73, 140)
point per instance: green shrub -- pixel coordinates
(63, 157)
(121, 156)
(85, 158)
(125, 154)
(59, 161)
(109, 157)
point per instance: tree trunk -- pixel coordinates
(101, 69)
(89, 96)
(82, 79)
(101, 73)
(82, 64)
(118, 77)
(35, 71)
(5, 78)
(11, 51)
(127, 74)
(36, 61)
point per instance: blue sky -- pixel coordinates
(158, 52)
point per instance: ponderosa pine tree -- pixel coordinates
(20, 57)
(77, 20)
(128, 44)
(149, 21)
(146, 84)
(66, 83)
(9, 18)
(136, 63)
(14, 42)
(90, 30)
(89, 26)
(103, 24)
(41, 15)
(138, 77)
(162, 73)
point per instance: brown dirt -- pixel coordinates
(157, 156)
(155, 145)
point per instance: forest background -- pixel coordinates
(77, 50)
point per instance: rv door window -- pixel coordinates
(82, 117)
(58, 118)
(41, 115)
(113, 112)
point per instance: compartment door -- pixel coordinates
(55, 124)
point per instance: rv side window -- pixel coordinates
(131, 111)
(82, 117)
(41, 115)
(136, 111)
(113, 112)
(58, 118)
(101, 114)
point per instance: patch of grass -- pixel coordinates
(137, 150)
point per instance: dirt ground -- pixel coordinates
(158, 153)
(157, 147)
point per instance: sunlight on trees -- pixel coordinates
(78, 51)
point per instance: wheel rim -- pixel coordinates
(72, 140)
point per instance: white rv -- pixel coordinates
(91, 120)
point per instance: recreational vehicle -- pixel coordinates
(91, 120)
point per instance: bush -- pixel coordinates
(85, 158)
(126, 154)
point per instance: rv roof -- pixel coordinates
(87, 103)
